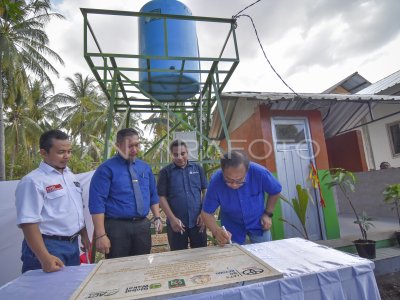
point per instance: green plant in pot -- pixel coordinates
(345, 181)
(392, 196)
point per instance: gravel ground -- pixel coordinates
(389, 286)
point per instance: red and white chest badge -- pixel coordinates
(52, 188)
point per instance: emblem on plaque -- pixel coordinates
(201, 279)
(252, 271)
(175, 283)
(155, 286)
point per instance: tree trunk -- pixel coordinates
(12, 163)
(2, 136)
(80, 156)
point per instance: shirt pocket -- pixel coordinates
(144, 183)
(194, 180)
(55, 194)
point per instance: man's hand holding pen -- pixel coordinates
(223, 236)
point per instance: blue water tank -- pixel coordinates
(182, 41)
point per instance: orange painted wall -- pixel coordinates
(346, 151)
(316, 130)
(254, 136)
(250, 137)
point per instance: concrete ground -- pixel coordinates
(387, 260)
(348, 228)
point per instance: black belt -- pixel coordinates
(61, 238)
(134, 219)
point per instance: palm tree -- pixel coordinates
(85, 115)
(83, 105)
(26, 120)
(20, 129)
(23, 50)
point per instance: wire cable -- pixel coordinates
(235, 16)
(270, 64)
(265, 55)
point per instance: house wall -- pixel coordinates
(378, 138)
(250, 138)
(368, 193)
(244, 109)
(254, 136)
(346, 151)
(316, 130)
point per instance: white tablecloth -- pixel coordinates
(311, 271)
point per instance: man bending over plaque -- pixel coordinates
(238, 189)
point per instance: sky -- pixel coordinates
(312, 44)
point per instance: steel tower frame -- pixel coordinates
(117, 77)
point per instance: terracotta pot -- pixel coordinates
(365, 248)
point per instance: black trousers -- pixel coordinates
(128, 237)
(178, 241)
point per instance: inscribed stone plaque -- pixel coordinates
(176, 273)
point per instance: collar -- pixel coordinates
(177, 167)
(123, 160)
(48, 169)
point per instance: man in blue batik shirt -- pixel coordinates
(181, 186)
(239, 188)
(120, 222)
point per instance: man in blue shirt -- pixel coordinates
(238, 189)
(181, 187)
(122, 191)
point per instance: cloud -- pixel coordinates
(341, 32)
(333, 37)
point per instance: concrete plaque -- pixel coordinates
(176, 273)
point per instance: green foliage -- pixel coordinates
(81, 164)
(392, 197)
(365, 222)
(346, 180)
(24, 163)
(299, 206)
(24, 56)
(342, 178)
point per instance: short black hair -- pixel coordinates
(123, 133)
(234, 159)
(177, 143)
(384, 165)
(46, 139)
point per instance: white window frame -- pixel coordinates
(388, 126)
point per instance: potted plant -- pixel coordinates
(392, 196)
(345, 180)
(365, 248)
(300, 208)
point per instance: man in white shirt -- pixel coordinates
(50, 209)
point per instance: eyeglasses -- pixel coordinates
(240, 181)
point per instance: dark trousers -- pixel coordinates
(178, 241)
(128, 237)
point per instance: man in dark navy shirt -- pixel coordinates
(239, 190)
(118, 209)
(181, 187)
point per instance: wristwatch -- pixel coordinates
(269, 214)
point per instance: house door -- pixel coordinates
(293, 152)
